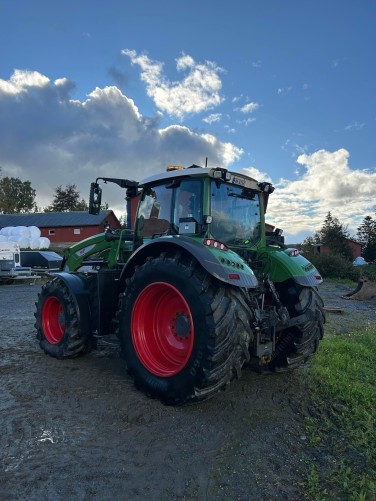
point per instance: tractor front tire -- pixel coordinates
(57, 322)
(184, 335)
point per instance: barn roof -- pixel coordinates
(54, 219)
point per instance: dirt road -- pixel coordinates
(77, 429)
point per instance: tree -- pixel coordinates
(366, 236)
(335, 235)
(67, 199)
(308, 244)
(16, 196)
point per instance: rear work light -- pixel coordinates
(216, 244)
(294, 252)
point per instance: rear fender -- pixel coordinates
(282, 264)
(224, 265)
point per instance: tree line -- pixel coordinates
(18, 197)
(335, 235)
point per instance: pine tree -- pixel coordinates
(366, 236)
(334, 234)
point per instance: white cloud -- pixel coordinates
(256, 174)
(22, 81)
(237, 98)
(214, 117)
(284, 90)
(354, 126)
(246, 122)
(328, 184)
(249, 107)
(198, 91)
(51, 139)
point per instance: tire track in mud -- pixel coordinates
(78, 429)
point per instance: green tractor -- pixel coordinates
(196, 291)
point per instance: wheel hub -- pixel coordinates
(181, 326)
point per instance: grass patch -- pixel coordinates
(342, 281)
(342, 429)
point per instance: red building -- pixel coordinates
(63, 228)
(355, 247)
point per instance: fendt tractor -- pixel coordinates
(194, 288)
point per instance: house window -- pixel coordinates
(51, 232)
(77, 231)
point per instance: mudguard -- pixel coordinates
(282, 264)
(78, 287)
(224, 265)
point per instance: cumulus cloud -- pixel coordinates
(198, 91)
(255, 173)
(51, 139)
(327, 184)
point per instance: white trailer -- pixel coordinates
(10, 264)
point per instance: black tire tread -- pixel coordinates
(229, 332)
(304, 337)
(75, 342)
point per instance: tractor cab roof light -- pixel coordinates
(266, 187)
(219, 173)
(174, 167)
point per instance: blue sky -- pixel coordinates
(281, 90)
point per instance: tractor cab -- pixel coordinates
(203, 203)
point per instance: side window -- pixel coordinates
(188, 201)
(154, 212)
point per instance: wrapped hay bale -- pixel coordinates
(34, 232)
(44, 242)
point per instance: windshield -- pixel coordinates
(236, 214)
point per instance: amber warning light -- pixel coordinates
(174, 167)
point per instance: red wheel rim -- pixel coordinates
(162, 329)
(53, 320)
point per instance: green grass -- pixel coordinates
(342, 281)
(342, 428)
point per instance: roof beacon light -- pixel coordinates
(174, 167)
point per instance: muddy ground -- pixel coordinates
(78, 429)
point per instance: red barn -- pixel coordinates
(63, 228)
(355, 247)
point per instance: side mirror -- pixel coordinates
(95, 199)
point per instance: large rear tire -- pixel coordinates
(296, 344)
(184, 335)
(57, 322)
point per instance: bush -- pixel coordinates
(335, 266)
(368, 271)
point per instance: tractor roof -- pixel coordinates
(214, 173)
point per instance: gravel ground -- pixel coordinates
(78, 429)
